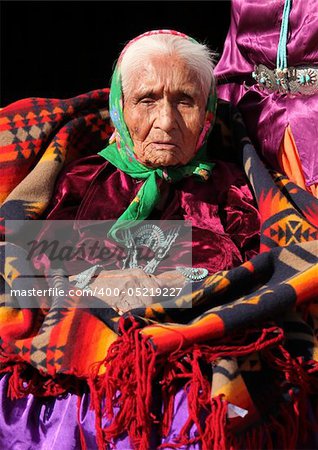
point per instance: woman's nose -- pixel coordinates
(166, 119)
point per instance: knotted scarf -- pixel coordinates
(120, 152)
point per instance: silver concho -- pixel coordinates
(150, 236)
(292, 80)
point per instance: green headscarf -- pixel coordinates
(120, 153)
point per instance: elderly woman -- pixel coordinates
(149, 367)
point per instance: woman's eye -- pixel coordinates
(146, 101)
(185, 101)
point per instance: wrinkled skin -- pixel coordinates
(164, 110)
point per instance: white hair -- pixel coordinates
(198, 56)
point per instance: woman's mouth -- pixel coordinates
(164, 145)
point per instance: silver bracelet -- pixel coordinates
(193, 273)
(84, 278)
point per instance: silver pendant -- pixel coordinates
(150, 236)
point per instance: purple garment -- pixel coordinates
(33, 423)
(253, 39)
(225, 221)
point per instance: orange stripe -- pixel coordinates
(290, 161)
(168, 338)
(305, 284)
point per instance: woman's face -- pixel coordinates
(164, 110)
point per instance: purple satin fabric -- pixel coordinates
(253, 39)
(33, 423)
(225, 222)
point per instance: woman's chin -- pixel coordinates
(161, 157)
(163, 163)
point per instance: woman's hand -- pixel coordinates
(135, 288)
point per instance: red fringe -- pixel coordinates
(122, 398)
(215, 435)
(25, 379)
(133, 366)
(127, 386)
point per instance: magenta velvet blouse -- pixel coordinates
(225, 221)
(253, 39)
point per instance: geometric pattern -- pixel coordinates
(37, 129)
(289, 214)
(288, 231)
(294, 232)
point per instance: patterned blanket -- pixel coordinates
(245, 352)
